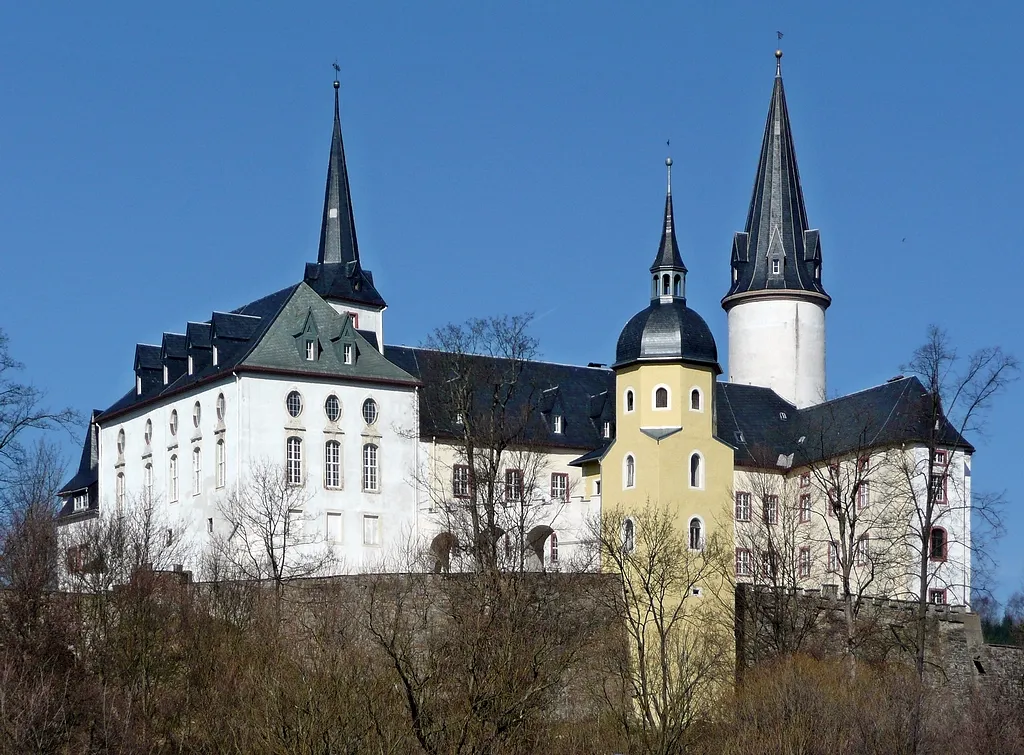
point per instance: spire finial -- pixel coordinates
(778, 56)
(668, 168)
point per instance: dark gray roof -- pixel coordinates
(763, 426)
(777, 226)
(583, 396)
(668, 256)
(338, 273)
(667, 331)
(87, 474)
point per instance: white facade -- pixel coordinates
(779, 343)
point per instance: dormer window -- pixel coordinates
(606, 430)
(215, 356)
(138, 385)
(557, 424)
(310, 350)
(81, 501)
(735, 275)
(165, 374)
(191, 365)
(776, 266)
(349, 353)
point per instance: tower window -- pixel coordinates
(696, 534)
(695, 400)
(630, 481)
(654, 286)
(606, 429)
(629, 400)
(661, 398)
(678, 287)
(776, 266)
(937, 544)
(628, 536)
(696, 471)
(665, 285)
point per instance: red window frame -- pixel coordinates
(736, 512)
(804, 561)
(805, 480)
(554, 548)
(514, 488)
(937, 596)
(565, 486)
(833, 556)
(743, 562)
(863, 495)
(456, 486)
(863, 550)
(931, 544)
(805, 508)
(771, 509)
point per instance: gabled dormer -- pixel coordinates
(173, 357)
(199, 347)
(307, 339)
(148, 370)
(230, 334)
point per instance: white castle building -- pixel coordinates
(303, 379)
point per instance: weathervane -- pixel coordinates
(778, 55)
(337, 72)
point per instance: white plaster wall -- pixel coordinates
(366, 318)
(779, 344)
(255, 427)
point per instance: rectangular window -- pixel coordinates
(216, 356)
(348, 353)
(81, 502)
(333, 527)
(371, 477)
(805, 508)
(119, 490)
(310, 350)
(221, 464)
(559, 486)
(460, 481)
(371, 529)
(940, 458)
(557, 424)
(296, 522)
(938, 483)
(938, 597)
(775, 267)
(743, 507)
(833, 503)
(514, 485)
(863, 556)
(293, 461)
(172, 479)
(147, 481)
(597, 487)
(332, 464)
(833, 556)
(606, 429)
(209, 524)
(742, 562)
(197, 471)
(771, 509)
(805, 480)
(804, 562)
(769, 564)
(863, 495)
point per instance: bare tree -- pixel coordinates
(22, 410)
(269, 534)
(675, 604)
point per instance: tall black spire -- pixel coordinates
(338, 230)
(777, 251)
(668, 271)
(338, 274)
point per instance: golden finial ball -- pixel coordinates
(778, 53)
(668, 161)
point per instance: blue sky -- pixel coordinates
(159, 162)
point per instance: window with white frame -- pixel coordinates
(628, 535)
(514, 485)
(333, 527)
(606, 429)
(805, 508)
(556, 424)
(370, 411)
(221, 406)
(696, 534)
(833, 556)
(349, 353)
(293, 403)
(776, 266)
(197, 471)
(296, 522)
(460, 481)
(371, 483)
(695, 402)
(771, 509)
(629, 400)
(147, 436)
(696, 470)
(81, 501)
(310, 350)
(371, 529)
(742, 507)
(222, 464)
(743, 562)
(661, 397)
(804, 561)
(173, 424)
(863, 552)
(553, 544)
(293, 460)
(120, 442)
(172, 478)
(559, 486)
(332, 464)
(629, 474)
(332, 408)
(197, 414)
(119, 489)
(147, 481)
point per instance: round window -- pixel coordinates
(197, 414)
(149, 431)
(332, 407)
(370, 411)
(221, 404)
(120, 441)
(294, 403)
(174, 422)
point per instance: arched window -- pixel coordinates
(677, 289)
(197, 414)
(172, 478)
(197, 471)
(371, 481)
(630, 474)
(695, 400)
(696, 471)
(221, 463)
(554, 548)
(654, 286)
(628, 536)
(221, 407)
(629, 400)
(696, 534)
(665, 285)
(119, 491)
(148, 434)
(120, 442)
(661, 397)
(293, 461)
(332, 464)
(937, 545)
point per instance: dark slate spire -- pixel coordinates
(668, 271)
(338, 274)
(338, 231)
(777, 251)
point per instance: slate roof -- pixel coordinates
(584, 396)
(86, 477)
(667, 331)
(668, 256)
(777, 226)
(762, 426)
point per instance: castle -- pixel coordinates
(303, 378)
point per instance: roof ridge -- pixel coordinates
(862, 390)
(489, 356)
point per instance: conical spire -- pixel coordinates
(668, 251)
(777, 250)
(338, 231)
